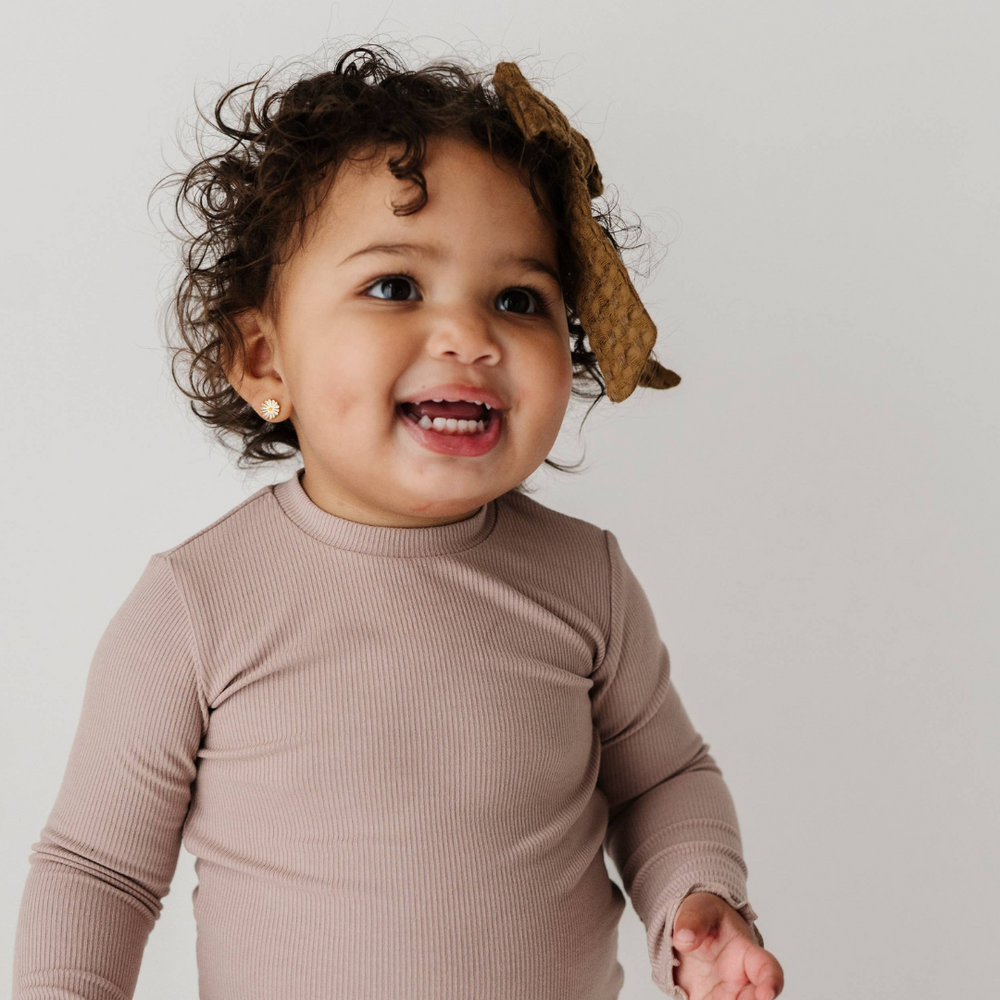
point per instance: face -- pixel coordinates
(376, 312)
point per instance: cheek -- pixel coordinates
(546, 378)
(554, 363)
(346, 378)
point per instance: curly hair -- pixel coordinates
(248, 203)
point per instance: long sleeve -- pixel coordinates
(672, 826)
(109, 850)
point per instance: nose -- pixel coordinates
(462, 333)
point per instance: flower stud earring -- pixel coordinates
(270, 409)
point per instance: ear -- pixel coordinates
(255, 376)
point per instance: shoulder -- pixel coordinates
(246, 544)
(530, 516)
(207, 552)
(561, 542)
(248, 513)
(563, 561)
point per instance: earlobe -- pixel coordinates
(270, 409)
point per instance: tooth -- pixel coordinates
(446, 425)
(437, 400)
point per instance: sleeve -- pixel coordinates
(109, 849)
(672, 826)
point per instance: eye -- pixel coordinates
(520, 296)
(388, 284)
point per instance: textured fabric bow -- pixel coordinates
(619, 329)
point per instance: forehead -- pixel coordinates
(468, 187)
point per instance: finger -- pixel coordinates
(695, 919)
(764, 972)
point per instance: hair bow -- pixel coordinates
(620, 331)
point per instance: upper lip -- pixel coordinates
(454, 391)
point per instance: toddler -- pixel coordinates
(395, 707)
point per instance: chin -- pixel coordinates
(447, 502)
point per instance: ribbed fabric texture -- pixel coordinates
(396, 754)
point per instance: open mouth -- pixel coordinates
(458, 428)
(451, 416)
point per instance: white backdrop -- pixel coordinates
(813, 511)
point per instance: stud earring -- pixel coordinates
(270, 409)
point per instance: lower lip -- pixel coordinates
(467, 445)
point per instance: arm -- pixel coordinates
(109, 850)
(672, 826)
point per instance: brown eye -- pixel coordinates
(520, 296)
(391, 284)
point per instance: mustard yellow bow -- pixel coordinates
(619, 329)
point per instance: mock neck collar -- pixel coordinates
(380, 540)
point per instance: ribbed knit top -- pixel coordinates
(396, 755)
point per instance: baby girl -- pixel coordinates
(396, 708)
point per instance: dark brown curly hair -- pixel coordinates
(242, 209)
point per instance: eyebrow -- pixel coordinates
(434, 251)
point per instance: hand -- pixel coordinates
(720, 958)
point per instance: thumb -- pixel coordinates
(692, 922)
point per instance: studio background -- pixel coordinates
(812, 511)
